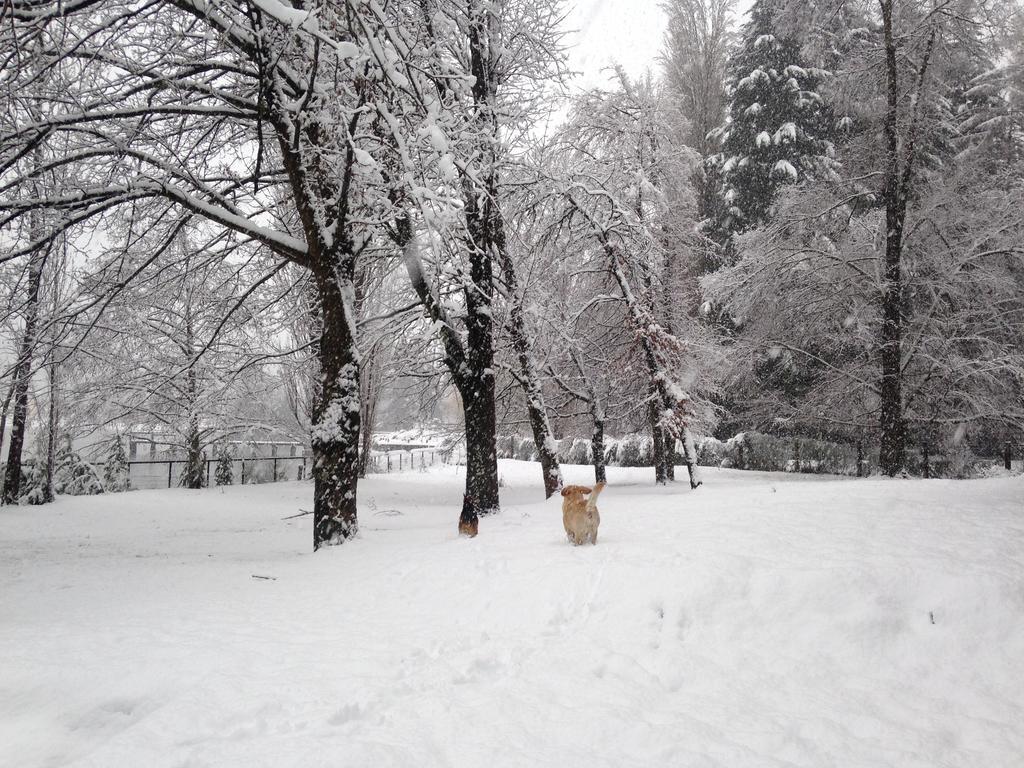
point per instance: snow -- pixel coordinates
(785, 169)
(762, 620)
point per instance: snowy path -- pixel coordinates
(763, 620)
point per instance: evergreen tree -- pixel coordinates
(115, 471)
(32, 488)
(225, 473)
(75, 477)
(778, 130)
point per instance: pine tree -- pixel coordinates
(32, 488)
(778, 127)
(115, 470)
(75, 477)
(224, 474)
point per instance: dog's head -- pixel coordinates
(575, 490)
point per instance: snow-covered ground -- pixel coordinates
(763, 620)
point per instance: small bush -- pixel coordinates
(115, 469)
(75, 477)
(225, 473)
(580, 452)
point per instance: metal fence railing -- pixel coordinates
(167, 473)
(382, 462)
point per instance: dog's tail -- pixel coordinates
(592, 501)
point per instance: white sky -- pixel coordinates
(628, 32)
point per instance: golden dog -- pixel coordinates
(579, 515)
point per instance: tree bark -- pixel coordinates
(527, 376)
(690, 458)
(898, 175)
(52, 425)
(597, 451)
(658, 435)
(193, 475)
(22, 379)
(335, 432)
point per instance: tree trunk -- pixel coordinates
(1007, 456)
(22, 379)
(193, 475)
(925, 457)
(527, 377)
(369, 389)
(3, 423)
(597, 451)
(900, 161)
(670, 458)
(335, 432)
(860, 458)
(658, 435)
(690, 458)
(481, 497)
(52, 424)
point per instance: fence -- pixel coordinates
(403, 461)
(166, 473)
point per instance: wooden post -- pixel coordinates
(242, 482)
(170, 466)
(389, 461)
(275, 467)
(1007, 456)
(860, 458)
(926, 470)
(208, 462)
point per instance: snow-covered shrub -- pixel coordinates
(33, 482)
(75, 477)
(562, 450)
(225, 472)
(580, 451)
(710, 452)
(636, 451)
(525, 449)
(957, 461)
(611, 451)
(506, 447)
(115, 469)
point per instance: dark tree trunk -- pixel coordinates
(597, 451)
(194, 464)
(52, 424)
(193, 474)
(335, 433)
(369, 389)
(22, 379)
(527, 376)
(900, 160)
(470, 368)
(658, 435)
(481, 496)
(860, 458)
(670, 458)
(3, 423)
(1007, 456)
(925, 458)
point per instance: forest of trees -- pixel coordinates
(807, 220)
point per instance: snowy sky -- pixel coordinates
(625, 31)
